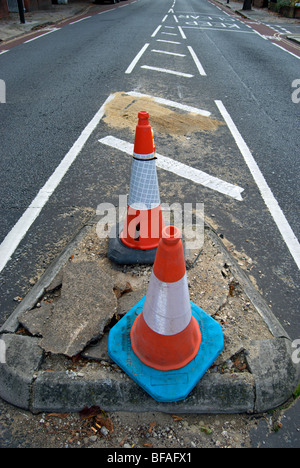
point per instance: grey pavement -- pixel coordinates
(11, 28)
(258, 14)
(263, 15)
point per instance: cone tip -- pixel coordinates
(171, 235)
(143, 115)
(143, 118)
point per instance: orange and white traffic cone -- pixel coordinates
(143, 225)
(165, 335)
(166, 343)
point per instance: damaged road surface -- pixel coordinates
(59, 298)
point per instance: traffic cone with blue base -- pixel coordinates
(166, 343)
(139, 237)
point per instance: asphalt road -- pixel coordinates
(57, 83)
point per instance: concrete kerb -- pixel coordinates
(271, 380)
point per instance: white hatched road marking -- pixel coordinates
(180, 169)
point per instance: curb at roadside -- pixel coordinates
(271, 381)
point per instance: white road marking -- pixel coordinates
(136, 59)
(165, 70)
(285, 50)
(156, 31)
(17, 233)
(42, 35)
(197, 61)
(168, 53)
(167, 102)
(181, 32)
(168, 42)
(266, 193)
(78, 21)
(180, 169)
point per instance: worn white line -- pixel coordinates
(222, 29)
(180, 169)
(168, 42)
(111, 9)
(42, 35)
(285, 50)
(167, 102)
(156, 31)
(136, 59)
(18, 232)
(266, 193)
(168, 53)
(175, 18)
(78, 21)
(181, 32)
(165, 70)
(197, 61)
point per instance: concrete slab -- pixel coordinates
(85, 308)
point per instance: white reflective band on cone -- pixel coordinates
(167, 308)
(144, 191)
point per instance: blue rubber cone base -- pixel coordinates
(166, 386)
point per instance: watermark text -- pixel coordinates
(2, 352)
(2, 92)
(296, 353)
(188, 218)
(296, 93)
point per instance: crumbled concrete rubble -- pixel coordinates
(91, 294)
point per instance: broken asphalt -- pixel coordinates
(55, 343)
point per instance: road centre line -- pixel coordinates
(180, 169)
(18, 232)
(136, 59)
(167, 102)
(165, 70)
(197, 62)
(266, 193)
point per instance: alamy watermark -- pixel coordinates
(2, 352)
(189, 218)
(296, 93)
(296, 353)
(2, 92)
